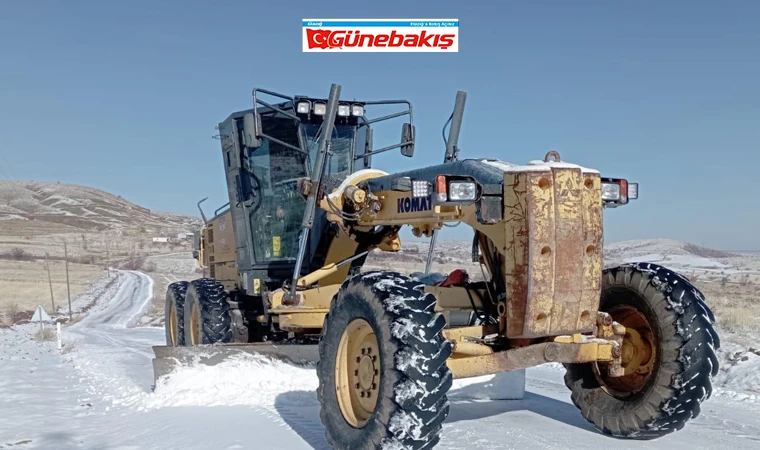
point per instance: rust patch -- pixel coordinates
(516, 251)
(553, 252)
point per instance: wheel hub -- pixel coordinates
(638, 353)
(194, 335)
(173, 324)
(357, 373)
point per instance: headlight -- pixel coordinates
(320, 109)
(303, 107)
(633, 191)
(343, 110)
(420, 188)
(610, 192)
(462, 190)
(357, 110)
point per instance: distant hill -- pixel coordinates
(45, 208)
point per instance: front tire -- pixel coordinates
(207, 313)
(174, 313)
(382, 368)
(669, 347)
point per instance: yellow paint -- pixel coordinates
(390, 244)
(256, 286)
(341, 248)
(276, 246)
(317, 298)
(300, 320)
(529, 356)
(358, 374)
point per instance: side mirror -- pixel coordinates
(251, 127)
(407, 140)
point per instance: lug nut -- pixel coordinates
(363, 351)
(616, 352)
(357, 385)
(356, 372)
(369, 350)
(377, 372)
(374, 386)
(358, 359)
(362, 394)
(374, 358)
(369, 394)
(607, 319)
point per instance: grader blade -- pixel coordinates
(168, 358)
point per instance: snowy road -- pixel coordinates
(99, 395)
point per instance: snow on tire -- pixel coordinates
(174, 313)
(412, 377)
(213, 321)
(684, 346)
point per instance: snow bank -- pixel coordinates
(256, 380)
(739, 376)
(243, 379)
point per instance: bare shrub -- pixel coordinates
(75, 319)
(735, 319)
(87, 259)
(150, 266)
(46, 334)
(736, 308)
(67, 345)
(706, 252)
(12, 309)
(133, 264)
(17, 254)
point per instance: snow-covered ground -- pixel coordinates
(99, 394)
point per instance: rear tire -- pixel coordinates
(174, 313)
(408, 389)
(678, 379)
(207, 314)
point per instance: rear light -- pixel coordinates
(441, 188)
(623, 190)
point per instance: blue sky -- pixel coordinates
(124, 96)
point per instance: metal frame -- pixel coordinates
(291, 100)
(409, 111)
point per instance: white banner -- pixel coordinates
(380, 35)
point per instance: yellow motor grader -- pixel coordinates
(284, 277)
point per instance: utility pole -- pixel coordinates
(50, 281)
(68, 287)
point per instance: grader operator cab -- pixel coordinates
(284, 263)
